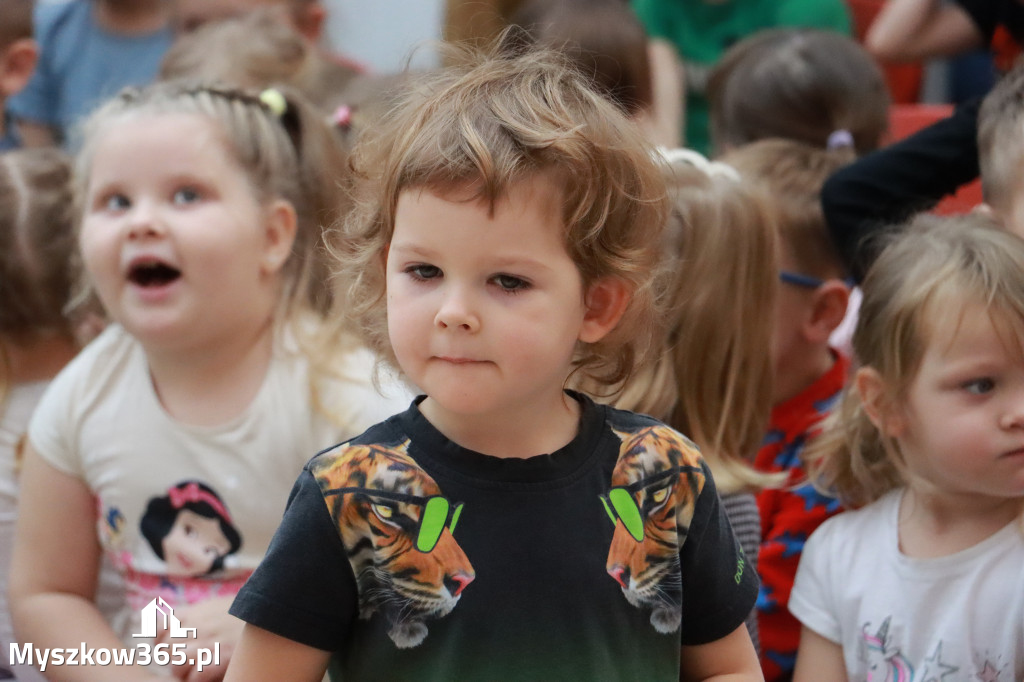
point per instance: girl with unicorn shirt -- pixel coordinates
(926, 580)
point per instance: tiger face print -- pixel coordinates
(660, 470)
(383, 535)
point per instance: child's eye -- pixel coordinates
(116, 202)
(186, 195)
(510, 283)
(423, 272)
(979, 386)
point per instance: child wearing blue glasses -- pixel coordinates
(808, 374)
(504, 239)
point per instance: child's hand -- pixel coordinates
(214, 626)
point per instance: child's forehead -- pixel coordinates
(954, 316)
(184, 134)
(528, 219)
(542, 190)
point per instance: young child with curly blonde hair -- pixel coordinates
(505, 235)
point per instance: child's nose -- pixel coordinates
(1013, 416)
(456, 311)
(143, 221)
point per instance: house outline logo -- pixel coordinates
(158, 616)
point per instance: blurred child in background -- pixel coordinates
(257, 50)
(607, 42)
(912, 175)
(712, 378)
(798, 84)
(808, 374)
(18, 55)
(697, 33)
(307, 17)
(88, 51)
(37, 244)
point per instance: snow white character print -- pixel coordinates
(190, 529)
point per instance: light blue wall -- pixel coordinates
(382, 33)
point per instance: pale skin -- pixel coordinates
(818, 659)
(804, 320)
(460, 280)
(17, 62)
(205, 372)
(912, 30)
(664, 123)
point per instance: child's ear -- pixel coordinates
(281, 224)
(606, 300)
(876, 402)
(827, 311)
(1008, 219)
(17, 63)
(309, 20)
(986, 210)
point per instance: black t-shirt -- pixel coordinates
(410, 557)
(989, 15)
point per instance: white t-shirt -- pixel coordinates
(957, 617)
(187, 512)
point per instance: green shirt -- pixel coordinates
(702, 31)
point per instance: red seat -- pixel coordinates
(906, 119)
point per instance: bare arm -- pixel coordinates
(665, 123)
(818, 659)
(215, 627)
(729, 659)
(910, 30)
(54, 570)
(262, 655)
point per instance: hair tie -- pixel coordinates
(700, 162)
(273, 99)
(839, 139)
(342, 117)
(179, 497)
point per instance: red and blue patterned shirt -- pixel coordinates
(790, 514)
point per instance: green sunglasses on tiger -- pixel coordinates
(620, 502)
(438, 512)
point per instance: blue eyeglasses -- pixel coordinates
(796, 279)
(808, 281)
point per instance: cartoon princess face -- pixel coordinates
(190, 529)
(193, 544)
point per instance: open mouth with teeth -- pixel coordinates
(153, 274)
